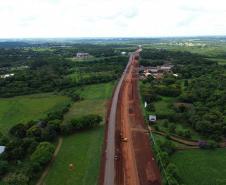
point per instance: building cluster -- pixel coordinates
(82, 55)
(157, 72)
(7, 75)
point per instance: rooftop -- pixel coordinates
(2, 149)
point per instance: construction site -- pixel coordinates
(127, 155)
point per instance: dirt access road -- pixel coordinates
(128, 158)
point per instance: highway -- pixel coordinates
(109, 172)
(128, 157)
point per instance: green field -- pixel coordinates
(22, 109)
(94, 102)
(83, 149)
(220, 61)
(162, 107)
(161, 138)
(201, 167)
(179, 127)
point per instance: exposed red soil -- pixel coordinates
(136, 164)
(134, 160)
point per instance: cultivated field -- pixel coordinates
(201, 167)
(22, 109)
(83, 149)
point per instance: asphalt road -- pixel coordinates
(109, 172)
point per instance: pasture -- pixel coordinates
(22, 109)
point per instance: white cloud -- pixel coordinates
(103, 18)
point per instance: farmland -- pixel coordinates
(83, 149)
(22, 109)
(201, 167)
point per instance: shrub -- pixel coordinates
(84, 122)
(166, 123)
(156, 127)
(17, 179)
(187, 134)
(18, 130)
(35, 131)
(66, 129)
(172, 170)
(3, 167)
(43, 153)
(172, 128)
(167, 146)
(212, 144)
(203, 144)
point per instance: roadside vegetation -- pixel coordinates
(190, 115)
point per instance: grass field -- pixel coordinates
(220, 61)
(163, 138)
(201, 167)
(94, 102)
(83, 149)
(163, 106)
(179, 127)
(22, 109)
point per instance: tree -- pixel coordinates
(187, 134)
(84, 122)
(3, 167)
(35, 131)
(151, 107)
(212, 144)
(166, 123)
(167, 146)
(186, 83)
(172, 170)
(18, 130)
(17, 179)
(172, 128)
(43, 153)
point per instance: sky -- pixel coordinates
(111, 18)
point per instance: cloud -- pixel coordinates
(103, 18)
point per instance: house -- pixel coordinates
(2, 149)
(6, 75)
(82, 55)
(166, 67)
(152, 118)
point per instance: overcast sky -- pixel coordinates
(111, 18)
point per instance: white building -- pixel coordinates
(2, 149)
(7, 75)
(152, 118)
(82, 55)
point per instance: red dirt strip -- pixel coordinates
(134, 161)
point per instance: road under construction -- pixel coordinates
(128, 158)
(127, 155)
